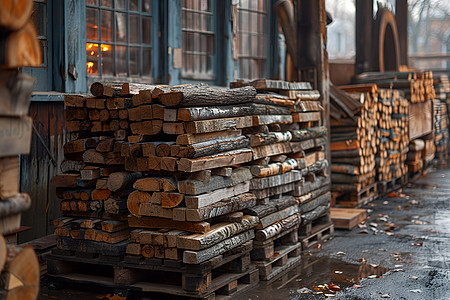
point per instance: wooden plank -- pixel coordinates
(347, 218)
(271, 119)
(196, 187)
(193, 138)
(154, 222)
(216, 196)
(225, 159)
(204, 126)
(270, 150)
(196, 257)
(350, 144)
(272, 181)
(9, 176)
(15, 135)
(306, 117)
(218, 233)
(220, 208)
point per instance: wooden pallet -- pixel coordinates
(225, 274)
(286, 257)
(319, 234)
(388, 186)
(347, 218)
(265, 250)
(307, 228)
(366, 195)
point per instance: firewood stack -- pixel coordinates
(355, 138)
(290, 180)
(198, 169)
(393, 126)
(19, 47)
(441, 117)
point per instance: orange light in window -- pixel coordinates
(92, 52)
(105, 48)
(90, 65)
(89, 46)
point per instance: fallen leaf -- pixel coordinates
(389, 233)
(386, 202)
(382, 250)
(416, 291)
(399, 207)
(372, 276)
(276, 254)
(341, 253)
(414, 277)
(413, 202)
(398, 266)
(318, 246)
(407, 207)
(330, 295)
(357, 286)
(373, 224)
(417, 244)
(416, 222)
(365, 251)
(364, 231)
(383, 219)
(385, 296)
(338, 272)
(334, 287)
(362, 260)
(392, 195)
(398, 270)
(362, 225)
(373, 265)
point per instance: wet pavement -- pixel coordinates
(402, 252)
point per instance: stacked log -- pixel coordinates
(198, 169)
(394, 140)
(291, 186)
(418, 89)
(19, 266)
(441, 117)
(355, 138)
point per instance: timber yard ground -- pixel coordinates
(402, 252)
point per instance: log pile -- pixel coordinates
(394, 140)
(441, 117)
(202, 171)
(19, 266)
(416, 86)
(355, 138)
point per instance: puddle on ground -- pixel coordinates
(314, 274)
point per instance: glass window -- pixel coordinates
(118, 37)
(39, 17)
(197, 38)
(252, 38)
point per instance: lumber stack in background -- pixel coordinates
(417, 87)
(441, 117)
(19, 46)
(393, 126)
(355, 139)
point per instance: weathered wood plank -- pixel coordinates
(216, 196)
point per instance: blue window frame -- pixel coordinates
(120, 38)
(198, 39)
(253, 38)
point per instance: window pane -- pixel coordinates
(146, 61)
(134, 61)
(120, 4)
(147, 30)
(134, 5)
(134, 29)
(39, 17)
(147, 6)
(107, 60)
(121, 27)
(106, 21)
(91, 24)
(121, 61)
(92, 2)
(92, 58)
(106, 3)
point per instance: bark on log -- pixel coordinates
(217, 146)
(122, 180)
(20, 48)
(204, 96)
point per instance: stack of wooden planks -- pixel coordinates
(415, 156)
(393, 125)
(441, 135)
(416, 86)
(206, 174)
(355, 139)
(19, 266)
(290, 179)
